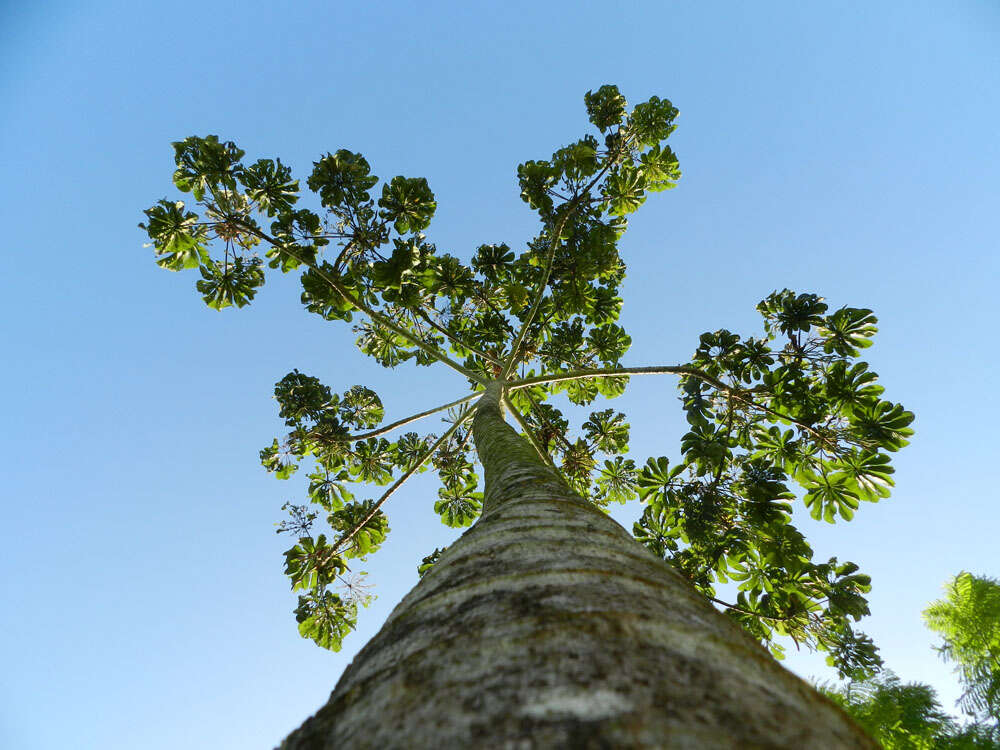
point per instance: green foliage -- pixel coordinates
(788, 413)
(326, 618)
(968, 621)
(907, 716)
(428, 562)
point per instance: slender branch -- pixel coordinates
(615, 372)
(560, 437)
(373, 314)
(783, 618)
(539, 293)
(454, 339)
(414, 417)
(547, 272)
(736, 393)
(544, 281)
(542, 453)
(399, 482)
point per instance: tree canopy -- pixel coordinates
(789, 412)
(968, 621)
(908, 716)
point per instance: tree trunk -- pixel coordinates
(546, 625)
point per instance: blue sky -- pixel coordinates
(848, 150)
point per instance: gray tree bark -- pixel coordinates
(546, 625)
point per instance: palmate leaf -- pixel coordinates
(882, 424)
(828, 494)
(372, 461)
(652, 121)
(848, 330)
(578, 160)
(657, 530)
(851, 387)
(342, 179)
(409, 203)
(329, 491)
(276, 461)
(428, 562)
(312, 563)
(607, 431)
(270, 185)
(206, 163)
(660, 167)
(606, 106)
(790, 313)
(177, 240)
(232, 283)
(656, 478)
(870, 473)
(302, 397)
(617, 480)
(369, 537)
(609, 342)
(494, 262)
(325, 618)
(780, 448)
(361, 407)
(459, 505)
(625, 191)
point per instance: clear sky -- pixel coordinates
(848, 149)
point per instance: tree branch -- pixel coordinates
(616, 372)
(736, 393)
(542, 453)
(547, 271)
(399, 482)
(454, 339)
(376, 317)
(414, 417)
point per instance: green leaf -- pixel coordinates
(409, 203)
(535, 179)
(368, 537)
(325, 618)
(881, 424)
(404, 259)
(828, 494)
(617, 480)
(342, 179)
(653, 121)
(312, 563)
(328, 492)
(494, 262)
(790, 312)
(656, 478)
(302, 397)
(429, 561)
(607, 431)
(870, 473)
(609, 343)
(270, 185)
(361, 407)
(372, 461)
(459, 505)
(625, 190)
(205, 164)
(605, 107)
(847, 331)
(277, 461)
(177, 240)
(660, 168)
(232, 283)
